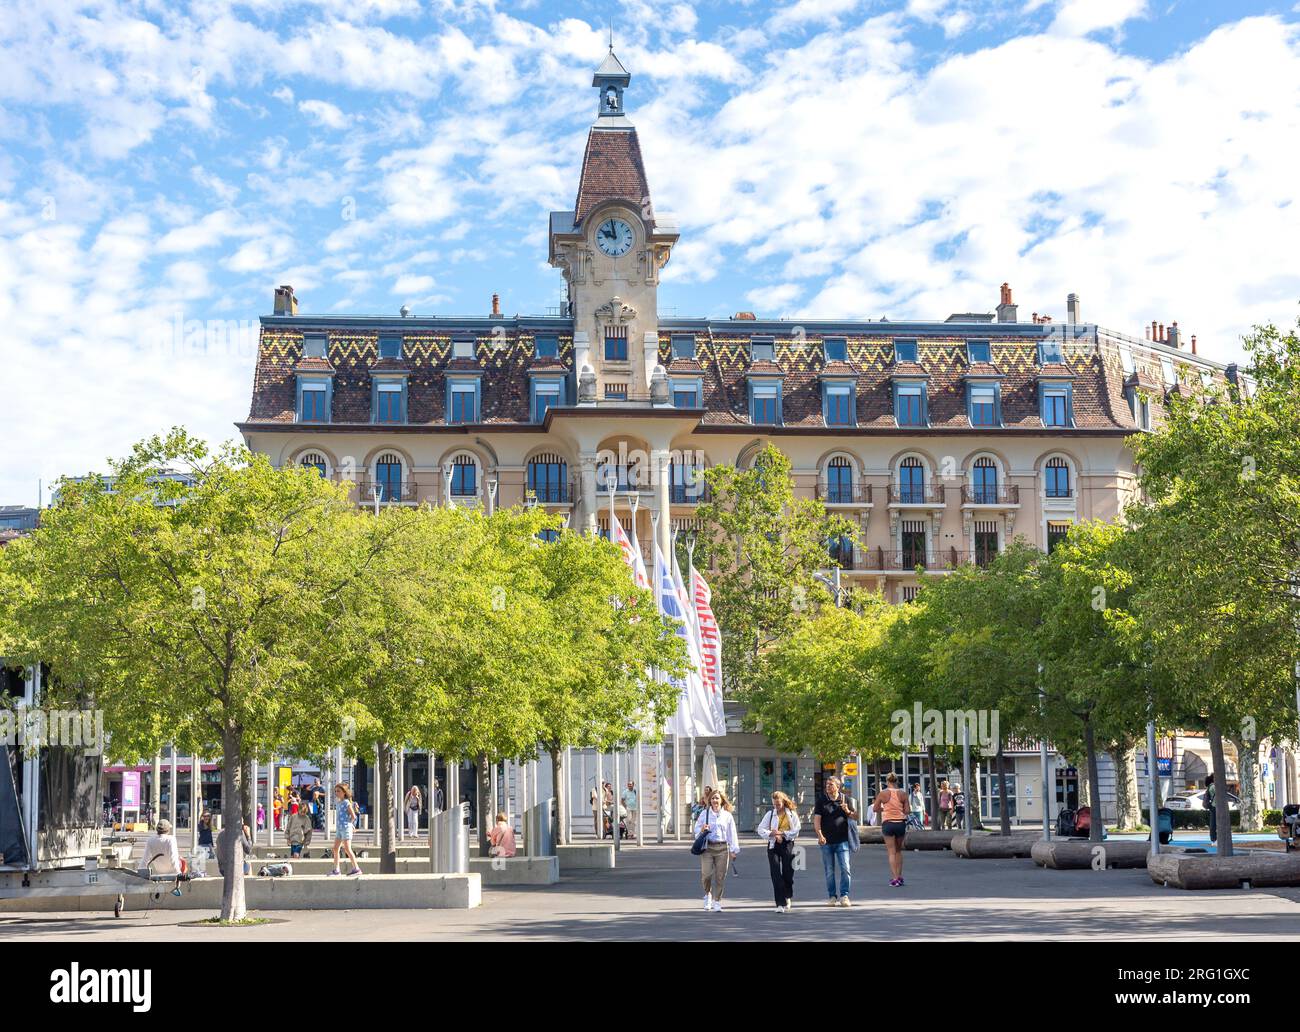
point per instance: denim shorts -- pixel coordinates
(895, 829)
(343, 833)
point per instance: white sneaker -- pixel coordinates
(708, 901)
(717, 905)
(780, 910)
(832, 902)
(845, 902)
(789, 904)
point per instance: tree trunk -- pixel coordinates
(1096, 826)
(486, 804)
(230, 843)
(1085, 791)
(934, 789)
(560, 777)
(1221, 812)
(1128, 812)
(973, 793)
(383, 810)
(1247, 767)
(1004, 815)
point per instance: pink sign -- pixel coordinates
(130, 790)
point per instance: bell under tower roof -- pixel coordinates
(611, 79)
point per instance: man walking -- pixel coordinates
(630, 805)
(831, 819)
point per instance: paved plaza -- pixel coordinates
(654, 895)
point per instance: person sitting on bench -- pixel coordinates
(162, 856)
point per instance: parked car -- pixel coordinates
(1196, 801)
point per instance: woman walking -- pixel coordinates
(414, 804)
(346, 814)
(945, 805)
(781, 827)
(917, 803)
(891, 804)
(721, 847)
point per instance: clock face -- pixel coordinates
(614, 237)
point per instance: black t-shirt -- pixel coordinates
(835, 822)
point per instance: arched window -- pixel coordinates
(388, 477)
(839, 480)
(548, 478)
(984, 482)
(911, 481)
(316, 460)
(464, 476)
(1057, 478)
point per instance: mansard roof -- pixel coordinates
(1092, 358)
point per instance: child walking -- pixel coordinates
(346, 814)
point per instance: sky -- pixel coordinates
(164, 166)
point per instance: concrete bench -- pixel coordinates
(305, 892)
(1257, 869)
(986, 846)
(585, 857)
(512, 870)
(1078, 854)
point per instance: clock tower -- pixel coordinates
(611, 248)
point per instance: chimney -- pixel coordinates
(1146, 330)
(1173, 335)
(285, 302)
(1007, 308)
(1231, 373)
(1154, 334)
(496, 306)
(1072, 309)
(1193, 343)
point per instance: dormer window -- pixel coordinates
(464, 402)
(390, 347)
(686, 394)
(978, 351)
(546, 347)
(1049, 353)
(313, 401)
(765, 403)
(835, 349)
(762, 349)
(684, 345)
(463, 348)
(1126, 359)
(905, 351)
(984, 404)
(389, 401)
(1056, 402)
(313, 345)
(1167, 370)
(909, 404)
(838, 403)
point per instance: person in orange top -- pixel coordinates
(891, 804)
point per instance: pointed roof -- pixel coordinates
(611, 169)
(611, 68)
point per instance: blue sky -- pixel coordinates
(164, 167)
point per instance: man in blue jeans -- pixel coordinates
(831, 819)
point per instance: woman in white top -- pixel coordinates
(917, 805)
(781, 827)
(414, 804)
(721, 847)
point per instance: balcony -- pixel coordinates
(690, 494)
(991, 496)
(563, 493)
(844, 494)
(916, 496)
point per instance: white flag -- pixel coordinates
(710, 638)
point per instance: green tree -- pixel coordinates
(1218, 556)
(764, 548)
(194, 613)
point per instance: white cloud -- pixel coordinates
(1079, 17)
(322, 112)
